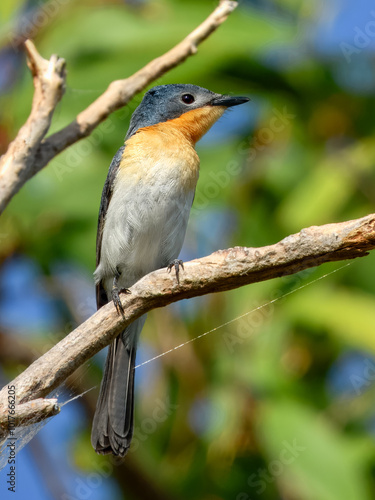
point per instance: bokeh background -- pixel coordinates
(279, 404)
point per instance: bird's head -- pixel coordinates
(170, 102)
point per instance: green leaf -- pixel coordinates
(308, 457)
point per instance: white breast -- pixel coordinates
(145, 224)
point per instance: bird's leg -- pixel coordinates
(176, 263)
(116, 293)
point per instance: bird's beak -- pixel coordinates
(228, 100)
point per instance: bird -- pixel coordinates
(143, 215)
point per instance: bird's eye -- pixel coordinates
(187, 98)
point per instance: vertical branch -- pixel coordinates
(17, 164)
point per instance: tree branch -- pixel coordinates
(30, 412)
(17, 165)
(222, 270)
(29, 153)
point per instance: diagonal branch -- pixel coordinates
(20, 162)
(222, 270)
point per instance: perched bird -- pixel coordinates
(143, 215)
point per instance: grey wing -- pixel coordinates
(101, 296)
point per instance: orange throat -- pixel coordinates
(169, 147)
(193, 124)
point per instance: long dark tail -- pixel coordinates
(112, 427)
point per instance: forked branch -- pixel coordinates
(31, 151)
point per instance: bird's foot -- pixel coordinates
(116, 294)
(176, 263)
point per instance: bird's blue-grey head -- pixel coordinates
(166, 102)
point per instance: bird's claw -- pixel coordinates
(176, 263)
(117, 301)
(116, 295)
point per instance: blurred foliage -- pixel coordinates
(279, 403)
